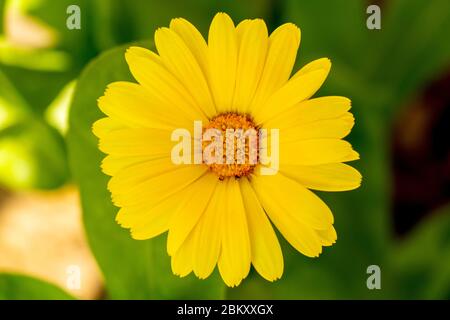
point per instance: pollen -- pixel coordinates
(240, 135)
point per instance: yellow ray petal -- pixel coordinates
(287, 205)
(145, 219)
(148, 220)
(209, 234)
(295, 200)
(160, 187)
(281, 55)
(193, 40)
(113, 164)
(184, 220)
(137, 142)
(223, 55)
(235, 257)
(323, 129)
(177, 57)
(323, 108)
(133, 105)
(294, 91)
(325, 177)
(140, 172)
(253, 43)
(315, 152)
(319, 64)
(105, 125)
(328, 237)
(164, 88)
(267, 257)
(182, 260)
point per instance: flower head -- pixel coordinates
(222, 211)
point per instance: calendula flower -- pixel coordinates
(221, 213)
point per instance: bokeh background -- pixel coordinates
(56, 219)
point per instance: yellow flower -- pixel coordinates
(222, 213)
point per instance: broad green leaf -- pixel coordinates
(132, 269)
(422, 260)
(21, 287)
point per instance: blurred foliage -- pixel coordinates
(421, 262)
(380, 70)
(32, 154)
(14, 286)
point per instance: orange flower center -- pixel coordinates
(240, 145)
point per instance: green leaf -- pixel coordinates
(132, 269)
(421, 261)
(32, 154)
(21, 287)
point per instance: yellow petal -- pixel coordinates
(182, 260)
(209, 234)
(164, 88)
(281, 55)
(324, 129)
(160, 187)
(184, 220)
(293, 92)
(324, 108)
(319, 64)
(145, 222)
(253, 43)
(139, 172)
(295, 200)
(288, 205)
(235, 257)
(328, 237)
(105, 125)
(325, 177)
(315, 152)
(134, 106)
(193, 40)
(267, 257)
(113, 164)
(137, 142)
(148, 219)
(180, 61)
(223, 55)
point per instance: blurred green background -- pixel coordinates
(398, 79)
